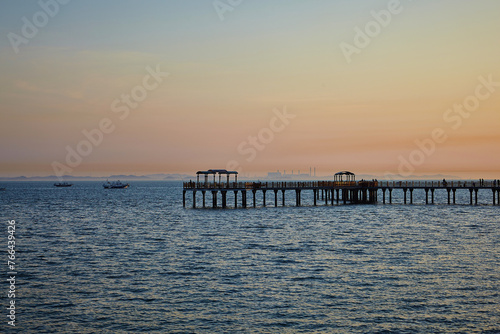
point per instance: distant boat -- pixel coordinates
(2, 189)
(63, 184)
(115, 185)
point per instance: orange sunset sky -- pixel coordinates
(139, 87)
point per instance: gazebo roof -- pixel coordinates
(216, 171)
(344, 173)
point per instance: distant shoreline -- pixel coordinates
(185, 177)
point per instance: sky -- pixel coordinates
(138, 87)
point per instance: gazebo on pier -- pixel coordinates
(345, 178)
(214, 172)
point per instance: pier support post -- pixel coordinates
(315, 191)
(338, 196)
(373, 196)
(471, 190)
(244, 198)
(432, 195)
(322, 193)
(475, 193)
(275, 197)
(194, 199)
(390, 195)
(454, 195)
(404, 190)
(236, 199)
(224, 192)
(297, 197)
(214, 199)
(411, 195)
(494, 200)
(426, 195)
(253, 192)
(203, 193)
(344, 195)
(283, 196)
(332, 196)
(264, 197)
(184, 198)
(383, 195)
(326, 196)
(448, 190)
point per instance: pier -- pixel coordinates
(344, 189)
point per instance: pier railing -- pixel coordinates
(338, 184)
(268, 185)
(437, 184)
(294, 185)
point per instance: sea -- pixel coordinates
(95, 260)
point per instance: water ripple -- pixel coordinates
(135, 261)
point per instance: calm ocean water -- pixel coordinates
(91, 260)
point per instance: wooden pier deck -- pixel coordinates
(336, 192)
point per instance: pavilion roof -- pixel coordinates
(216, 171)
(344, 173)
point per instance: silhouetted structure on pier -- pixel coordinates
(344, 189)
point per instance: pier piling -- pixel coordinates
(214, 199)
(223, 192)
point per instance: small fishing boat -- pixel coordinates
(115, 185)
(63, 184)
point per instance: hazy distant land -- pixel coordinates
(187, 177)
